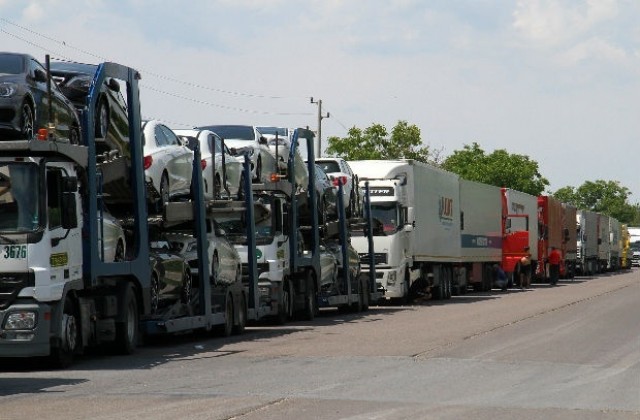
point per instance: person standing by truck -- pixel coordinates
(525, 269)
(554, 265)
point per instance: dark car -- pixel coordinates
(326, 195)
(171, 280)
(111, 121)
(24, 104)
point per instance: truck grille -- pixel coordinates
(11, 284)
(379, 258)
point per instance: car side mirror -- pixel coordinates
(39, 75)
(262, 140)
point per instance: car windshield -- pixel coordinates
(272, 131)
(233, 132)
(329, 166)
(19, 194)
(11, 64)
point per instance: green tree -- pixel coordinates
(375, 142)
(607, 197)
(498, 168)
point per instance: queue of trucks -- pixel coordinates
(419, 231)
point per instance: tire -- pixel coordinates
(27, 122)
(356, 306)
(215, 268)
(322, 211)
(226, 329)
(164, 192)
(364, 293)
(310, 298)
(127, 330)
(285, 309)
(187, 287)
(448, 282)
(102, 119)
(119, 256)
(259, 170)
(74, 135)
(62, 356)
(239, 327)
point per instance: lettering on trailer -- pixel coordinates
(382, 191)
(481, 241)
(446, 209)
(517, 208)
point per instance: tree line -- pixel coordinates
(499, 168)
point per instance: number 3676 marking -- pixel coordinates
(14, 251)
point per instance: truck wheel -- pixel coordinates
(187, 286)
(356, 306)
(62, 355)
(226, 329)
(449, 277)
(310, 298)
(285, 308)
(242, 317)
(364, 294)
(127, 329)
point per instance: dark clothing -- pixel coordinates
(554, 266)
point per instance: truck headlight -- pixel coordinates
(391, 279)
(21, 321)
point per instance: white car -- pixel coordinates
(232, 172)
(114, 245)
(168, 164)
(279, 142)
(246, 139)
(339, 170)
(224, 261)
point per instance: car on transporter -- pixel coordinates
(247, 140)
(24, 107)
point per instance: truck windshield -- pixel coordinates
(19, 189)
(236, 231)
(385, 218)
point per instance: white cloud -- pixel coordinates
(550, 23)
(593, 48)
(33, 12)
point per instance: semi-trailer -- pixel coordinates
(59, 295)
(587, 242)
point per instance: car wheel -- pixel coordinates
(119, 255)
(215, 268)
(322, 211)
(187, 286)
(27, 122)
(62, 355)
(102, 119)
(74, 135)
(217, 187)
(164, 192)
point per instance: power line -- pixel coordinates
(249, 111)
(145, 72)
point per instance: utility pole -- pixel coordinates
(320, 118)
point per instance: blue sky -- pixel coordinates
(556, 80)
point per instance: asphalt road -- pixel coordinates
(568, 352)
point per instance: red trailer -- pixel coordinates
(551, 233)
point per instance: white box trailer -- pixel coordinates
(604, 246)
(416, 208)
(615, 244)
(587, 242)
(480, 233)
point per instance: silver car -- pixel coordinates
(246, 139)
